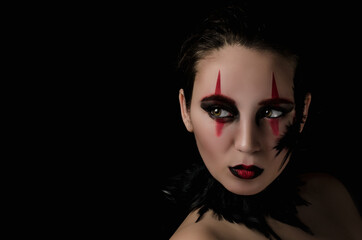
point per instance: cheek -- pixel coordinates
(219, 126)
(274, 124)
(209, 144)
(285, 122)
(274, 129)
(206, 140)
(268, 139)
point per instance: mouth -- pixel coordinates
(246, 171)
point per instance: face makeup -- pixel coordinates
(246, 171)
(274, 103)
(274, 123)
(237, 127)
(219, 124)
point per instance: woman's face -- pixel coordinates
(242, 103)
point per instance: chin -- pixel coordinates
(246, 188)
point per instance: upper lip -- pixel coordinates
(244, 166)
(246, 171)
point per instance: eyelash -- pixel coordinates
(268, 110)
(232, 114)
(212, 108)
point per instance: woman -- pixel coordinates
(246, 102)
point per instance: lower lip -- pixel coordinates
(246, 172)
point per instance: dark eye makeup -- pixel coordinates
(274, 111)
(223, 109)
(219, 111)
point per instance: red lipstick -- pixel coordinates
(246, 171)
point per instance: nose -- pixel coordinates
(246, 137)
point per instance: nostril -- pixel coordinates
(247, 135)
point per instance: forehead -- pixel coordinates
(244, 70)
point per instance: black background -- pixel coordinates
(122, 136)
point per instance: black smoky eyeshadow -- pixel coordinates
(284, 110)
(208, 106)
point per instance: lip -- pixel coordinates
(246, 171)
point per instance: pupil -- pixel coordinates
(217, 111)
(267, 112)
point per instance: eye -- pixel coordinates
(272, 113)
(218, 112)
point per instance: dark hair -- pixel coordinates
(245, 24)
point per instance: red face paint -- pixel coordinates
(218, 85)
(274, 123)
(219, 124)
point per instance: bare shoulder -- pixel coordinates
(330, 205)
(321, 183)
(322, 186)
(326, 190)
(192, 230)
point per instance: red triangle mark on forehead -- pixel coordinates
(275, 93)
(218, 85)
(274, 123)
(219, 125)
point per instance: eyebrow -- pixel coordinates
(220, 98)
(274, 101)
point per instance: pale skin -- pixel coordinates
(244, 131)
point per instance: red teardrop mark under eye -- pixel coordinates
(274, 122)
(219, 124)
